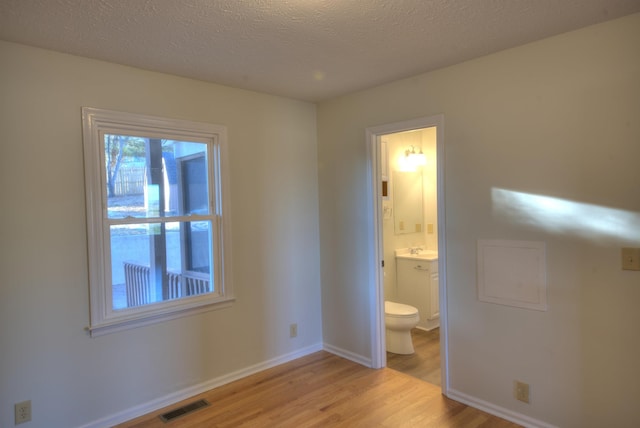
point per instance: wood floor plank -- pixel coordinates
(424, 363)
(324, 390)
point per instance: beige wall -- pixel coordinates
(45, 354)
(557, 118)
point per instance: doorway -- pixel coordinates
(397, 228)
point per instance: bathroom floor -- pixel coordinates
(425, 362)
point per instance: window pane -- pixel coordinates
(197, 240)
(194, 182)
(160, 261)
(147, 177)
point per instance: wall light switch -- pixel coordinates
(521, 391)
(387, 211)
(22, 412)
(430, 228)
(631, 258)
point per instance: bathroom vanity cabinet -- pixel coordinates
(417, 285)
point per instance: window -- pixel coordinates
(158, 229)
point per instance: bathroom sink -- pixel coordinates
(406, 253)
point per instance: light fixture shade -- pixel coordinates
(419, 159)
(412, 160)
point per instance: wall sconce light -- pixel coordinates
(415, 159)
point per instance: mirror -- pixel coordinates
(407, 202)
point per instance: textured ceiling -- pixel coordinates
(305, 49)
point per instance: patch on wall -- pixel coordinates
(512, 273)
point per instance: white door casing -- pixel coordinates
(376, 249)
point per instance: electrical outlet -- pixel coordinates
(631, 258)
(521, 391)
(23, 412)
(293, 330)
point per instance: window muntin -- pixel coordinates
(155, 206)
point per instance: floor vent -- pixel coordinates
(186, 409)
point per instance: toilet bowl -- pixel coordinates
(399, 319)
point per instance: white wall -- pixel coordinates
(558, 118)
(45, 354)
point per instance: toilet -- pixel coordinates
(399, 319)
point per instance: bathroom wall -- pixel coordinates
(397, 144)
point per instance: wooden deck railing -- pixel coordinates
(138, 284)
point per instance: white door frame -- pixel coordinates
(376, 251)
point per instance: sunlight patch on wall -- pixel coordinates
(566, 217)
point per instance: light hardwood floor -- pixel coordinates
(324, 390)
(425, 362)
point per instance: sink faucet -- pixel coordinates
(415, 250)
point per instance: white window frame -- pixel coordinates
(97, 122)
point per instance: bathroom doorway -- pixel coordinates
(406, 193)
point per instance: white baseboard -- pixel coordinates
(175, 397)
(427, 329)
(183, 394)
(348, 355)
(501, 412)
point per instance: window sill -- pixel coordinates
(156, 316)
